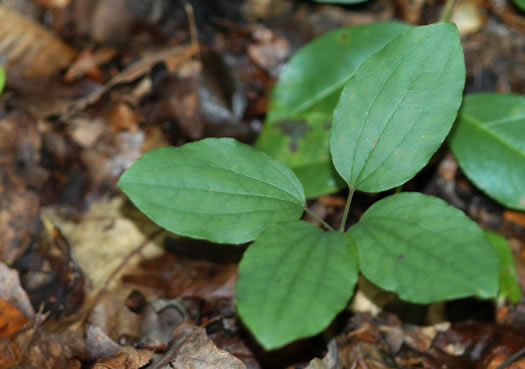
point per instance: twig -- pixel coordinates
(518, 355)
(37, 319)
(193, 27)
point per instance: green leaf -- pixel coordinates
(2, 79)
(520, 4)
(424, 250)
(398, 108)
(215, 189)
(489, 143)
(293, 280)
(508, 278)
(296, 130)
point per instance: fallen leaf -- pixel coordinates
(87, 64)
(517, 217)
(270, 50)
(28, 50)
(103, 237)
(126, 358)
(19, 175)
(192, 349)
(183, 277)
(11, 319)
(12, 291)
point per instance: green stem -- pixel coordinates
(317, 217)
(447, 12)
(347, 209)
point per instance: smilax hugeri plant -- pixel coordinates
(393, 106)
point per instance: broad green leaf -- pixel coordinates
(424, 250)
(296, 130)
(293, 280)
(398, 107)
(508, 279)
(215, 189)
(488, 141)
(303, 145)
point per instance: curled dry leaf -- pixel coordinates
(126, 358)
(193, 349)
(28, 50)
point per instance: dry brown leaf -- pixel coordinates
(54, 344)
(515, 217)
(102, 238)
(174, 56)
(87, 64)
(9, 352)
(125, 358)
(11, 319)
(19, 171)
(192, 349)
(12, 291)
(182, 277)
(28, 50)
(54, 3)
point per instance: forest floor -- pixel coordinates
(87, 281)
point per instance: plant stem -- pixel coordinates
(317, 217)
(347, 209)
(447, 12)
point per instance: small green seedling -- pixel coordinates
(397, 106)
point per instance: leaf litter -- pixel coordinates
(86, 281)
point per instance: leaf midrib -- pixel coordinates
(457, 267)
(477, 124)
(211, 190)
(323, 94)
(196, 165)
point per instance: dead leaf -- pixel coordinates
(174, 56)
(98, 344)
(28, 50)
(20, 174)
(54, 3)
(270, 50)
(192, 349)
(103, 237)
(87, 64)
(183, 277)
(329, 361)
(11, 291)
(55, 344)
(11, 319)
(515, 217)
(9, 353)
(161, 318)
(126, 358)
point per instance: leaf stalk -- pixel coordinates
(347, 209)
(447, 12)
(318, 218)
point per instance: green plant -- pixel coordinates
(396, 108)
(489, 143)
(2, 79)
